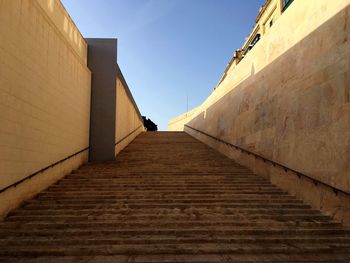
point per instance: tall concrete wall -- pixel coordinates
(129, 122)
(115, 118)
(289, 100)
(44, 96)
(103, 64)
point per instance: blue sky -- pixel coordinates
(168, 50)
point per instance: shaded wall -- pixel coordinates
(129, 122)
(288, 99)
(44, 96)
(115, 118)
(103, 65)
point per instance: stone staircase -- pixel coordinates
(169, 198)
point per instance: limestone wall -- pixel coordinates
(289, 98)
(44, 95)
(177, 124)
(129, 123)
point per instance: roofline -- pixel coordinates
(249, 38)
(262, 10)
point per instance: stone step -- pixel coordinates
(163, 188)
(159, 201)
(177, 217)
(174, 196)
(262, 224)
(128, 174)
(154, 205)
(94, 192)
(169, 198)
(121, 210)
(139, 240)
(157, 183)
(187, 258)
(193, 231)
(207, 248)
(120, 168)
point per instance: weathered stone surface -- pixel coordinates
(45, 88)
(294, 107)
(129, 123)
(44, 96)
(169, 198)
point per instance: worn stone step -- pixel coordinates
(186, 258)
(218, 205)
(166, 197)
(118, 168)
(147, 195)
(168, 180)
(168, 224)
(164, 189)
(142, 191)
(193, 216)
(164, 182)
(122, 210)
(208, 248)
(235, 231)
(155, 183)
(218, 201)
(139, 240)
(117, 187)
(167, 174)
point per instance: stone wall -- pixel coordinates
(44, 96)
(289, 100)
(177, 124)
(129, 123)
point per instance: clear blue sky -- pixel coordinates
(168, 49)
